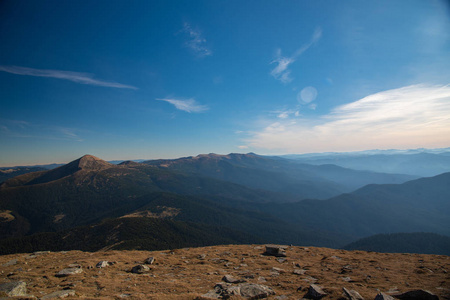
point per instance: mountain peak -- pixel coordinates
(91, 163)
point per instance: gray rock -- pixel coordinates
(140, 269)
(247, 290)
(315, 292)
(12, 262)
(14, 288)
(299, 271)
(149, 261)
(231, 279)
(275, 269)
(276, 250)
(60, 294)
(417, 295)
(281, 260)
(383, 296)
(211, 295)
(68, 272)
(102, 264)
(352, 294)
(255, 291)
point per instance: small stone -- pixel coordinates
(102, 264)
(14, 288)
(60, 294)
(10, 263)
(281, 260)
(278, 270)
(201, 256)
(231, 279)
(352, 294)
(210, 295)
(315, 292)
(140, 269)
(276, 250)
(69, 271)
(149, 261)
(255, 291)
(299, 271)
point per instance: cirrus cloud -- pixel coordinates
(411, 116)
(83, 78)
(187, 105)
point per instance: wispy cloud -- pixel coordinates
(188, 105)
(412, 116)
(23, 129)
(281, 71)
(83, 78)
(195, 41)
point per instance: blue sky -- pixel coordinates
(164, 79)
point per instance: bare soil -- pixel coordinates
(190, 273)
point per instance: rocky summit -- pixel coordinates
(225, 272)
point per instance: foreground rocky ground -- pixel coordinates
(193, 273)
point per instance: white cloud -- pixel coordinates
(281, 71)
(412, 116)
(243, 147)
(188, 105)
(195, 41)
(83, 78)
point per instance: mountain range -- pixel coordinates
(235, 198)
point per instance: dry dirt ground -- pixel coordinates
(189, 273)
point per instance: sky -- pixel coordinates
(167, 79)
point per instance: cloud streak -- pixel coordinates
(411, 116)
(187, 105)
(82, 78)
(281, 72)
(24, 129)
(195, 41)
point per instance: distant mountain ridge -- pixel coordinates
(245, 194)
(278, 174)
(418, 162)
